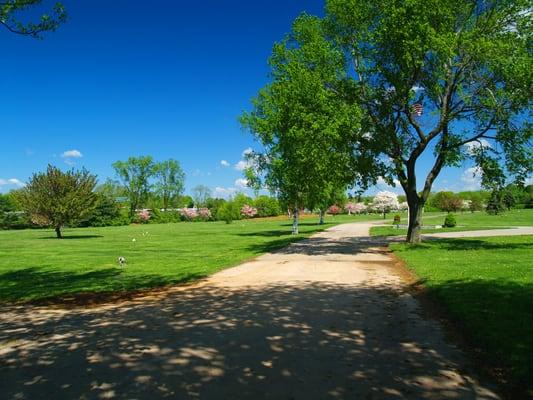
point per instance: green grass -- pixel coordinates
(465, 222)
(35, 265)
(487, 285)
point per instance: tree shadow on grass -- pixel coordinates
(311, 341)
(495, 317)
(38, 283)
(71, 237)
(467, 244)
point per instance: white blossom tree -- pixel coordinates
(385, 202)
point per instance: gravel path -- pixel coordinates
(325, 318)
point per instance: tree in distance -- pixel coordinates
(55, 198)
(171, 181)
(135, 174)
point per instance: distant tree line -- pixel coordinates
(153, 192)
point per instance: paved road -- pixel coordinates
(326, 318)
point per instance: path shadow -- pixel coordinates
(313, 341)
(325, 246)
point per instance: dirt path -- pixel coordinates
(326, 318)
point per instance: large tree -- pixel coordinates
(308, 130)
(135, 174)
(449, 77)
(200, 194)
(10, 17)
(56, 198)
(170, 181)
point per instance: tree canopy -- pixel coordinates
(402, 78)
(307, 128)
(56, 198)
(135, 174)
(10, 17)
(466, 63)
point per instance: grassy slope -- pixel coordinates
(35, 265)
(466, 222)
(487, 284)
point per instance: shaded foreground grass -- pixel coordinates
(34, 265)
(465, 222)
(486, 285)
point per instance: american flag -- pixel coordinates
(418, 109)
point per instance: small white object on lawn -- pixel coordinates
(122, 261)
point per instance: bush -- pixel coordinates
(106, 212)
(267, 206)
(15, 220)
(449, 221)
(397, 219)
(228, 212)
(334, 210)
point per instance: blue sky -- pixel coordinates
(162, 78)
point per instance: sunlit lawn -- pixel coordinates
(35, 265)
(465, 222)
(487, 285)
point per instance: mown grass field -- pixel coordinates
(486, 284)
(35, 265)
(465, 222)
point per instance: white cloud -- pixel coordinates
(473, 146)
(417, 88)
(241, 183)
(224, 193)
(242, 165)
(224, 163)
(247, 151)
(72, 154)
(471, 178)
(11, 181)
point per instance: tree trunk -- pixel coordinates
(295, 222)
(415, 221)
(58, 232)
(321, 217)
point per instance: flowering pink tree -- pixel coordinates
(204, 213)
(144, 216)
(248, 211)
(350, 207)
(334, 210)
(189, 213)
(360, 208)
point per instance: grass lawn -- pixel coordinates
(35, 265)
(487, 285)
(465, 221)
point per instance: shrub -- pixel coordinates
(397, 219)
(334, 210)
(449, 221)
(248, 212)
(228, 212)
(204, 214)
(189, 214)
(144, 216)
(267, 206)
(15, 220)
(106, 212)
